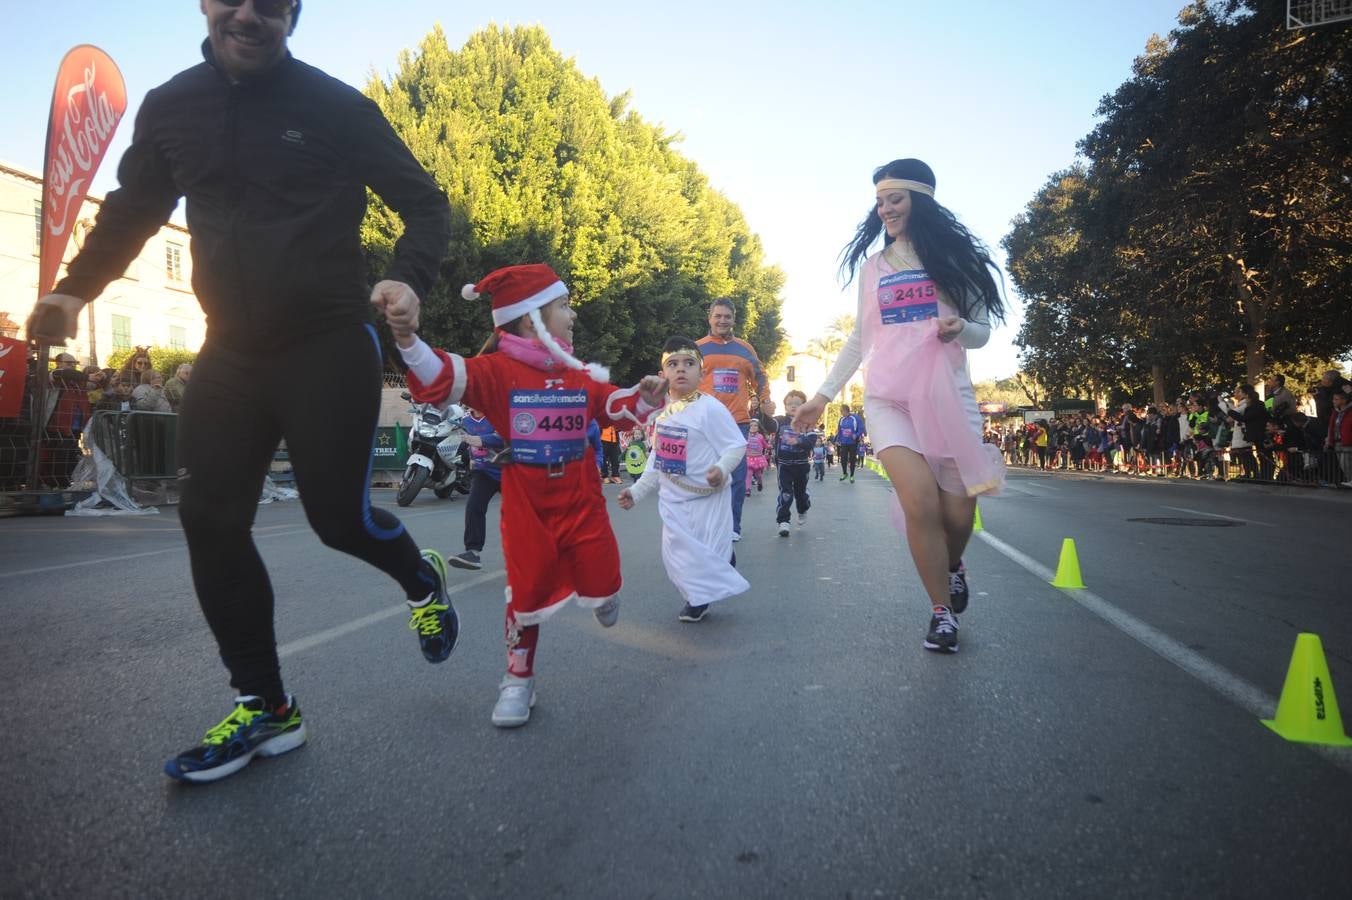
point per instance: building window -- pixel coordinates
(173, 261)
(37, 227)
(121, 332)
(789, 375)
(178, 337)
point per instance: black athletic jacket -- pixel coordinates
(275, 172)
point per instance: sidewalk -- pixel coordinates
(1274, 488)
(1270, 488)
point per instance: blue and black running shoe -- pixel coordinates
(958, 594)
(250, 730)
(435, 618)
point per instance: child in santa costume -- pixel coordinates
(556, 534)
(696, 447)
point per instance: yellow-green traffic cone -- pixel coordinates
(1068, 569)
(976, 523)
(1308, 711)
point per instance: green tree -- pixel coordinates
(164, 360)
(1206, 236)
(540, 165)
(827, 346)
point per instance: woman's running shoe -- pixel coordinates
(957, 589)
(943, 631)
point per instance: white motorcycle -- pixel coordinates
(437, 453)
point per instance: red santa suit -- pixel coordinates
(556, 533)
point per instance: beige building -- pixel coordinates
(152, 304)
(805, 371)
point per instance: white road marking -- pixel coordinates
(1229, 685)
(329, 634)
(1198, 512)
(177, 548)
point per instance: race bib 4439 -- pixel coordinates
(548, 426)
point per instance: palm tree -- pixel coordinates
(828, 346)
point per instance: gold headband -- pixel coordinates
(906, 184)
(683, 351)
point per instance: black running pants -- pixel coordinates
(849, 458)
(792, 487)
(322, 394)
(610, 459)
(482, 487)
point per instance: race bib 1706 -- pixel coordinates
(726, 381)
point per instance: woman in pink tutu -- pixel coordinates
(756, 458)
(925, 299)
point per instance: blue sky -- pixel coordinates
(787, 107)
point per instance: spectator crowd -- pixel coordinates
(1221, 435)
(73, 396)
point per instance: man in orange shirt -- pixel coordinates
(733, 374)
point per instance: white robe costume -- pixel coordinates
(688, 439)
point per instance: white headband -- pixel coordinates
(892, 184)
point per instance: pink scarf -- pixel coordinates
(530, 351)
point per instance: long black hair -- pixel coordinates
(954, 257)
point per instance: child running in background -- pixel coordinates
(793, 450)
(818, 458)
(696, 447)
(485, 481)
(635, 454)
(756, 461)
(556, 534)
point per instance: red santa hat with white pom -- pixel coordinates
(518, 291)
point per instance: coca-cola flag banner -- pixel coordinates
(13, 370)
(87, 104)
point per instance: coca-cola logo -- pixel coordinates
(86, 107)
(78, 147)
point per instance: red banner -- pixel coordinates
(13, 372)
(87, 104)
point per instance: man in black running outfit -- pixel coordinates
(274, 158)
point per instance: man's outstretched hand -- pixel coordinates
(400, 305)
(55, 318)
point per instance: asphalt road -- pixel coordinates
(798, 743)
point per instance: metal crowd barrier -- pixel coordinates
(40, 446)
(139, 444)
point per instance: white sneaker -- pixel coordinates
(783, 529)
(736, 536)
(802, 519)
(516, 696)
(608, 613)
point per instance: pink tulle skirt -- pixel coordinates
(915, 391)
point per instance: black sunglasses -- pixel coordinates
(272, 9)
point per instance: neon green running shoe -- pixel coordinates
(435, 618)
(250, 730)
